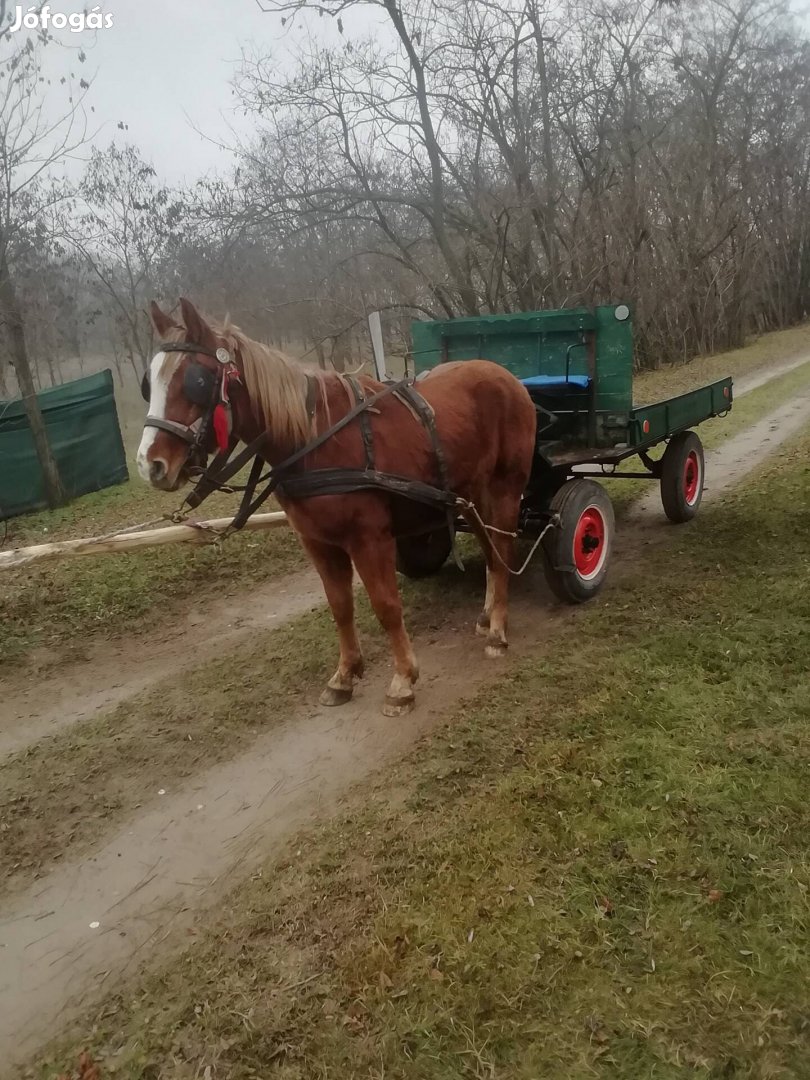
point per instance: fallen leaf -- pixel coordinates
(436, 975)
(605, 906)
(715, 895)
(385, 982)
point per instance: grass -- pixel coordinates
(599, 868)
(759, 355)
(51, 610)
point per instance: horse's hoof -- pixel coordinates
(332, 696)
(495, 650)
(397, 706)
(482, 626)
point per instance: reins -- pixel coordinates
(331, 481)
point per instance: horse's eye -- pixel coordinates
(146, 387)
(199, 384)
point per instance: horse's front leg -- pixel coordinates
(375, 559)
(335, 569)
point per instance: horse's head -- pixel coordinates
(182, 387)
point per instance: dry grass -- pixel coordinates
(600, 868)
(763, 353)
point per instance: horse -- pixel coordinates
(485, 424)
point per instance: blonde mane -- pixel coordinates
(275, 382)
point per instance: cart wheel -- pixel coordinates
(682, 474)
(425, 554)
(578, 550)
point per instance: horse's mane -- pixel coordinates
(275, 382)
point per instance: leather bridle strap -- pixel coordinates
(182, 431)
(193, 435)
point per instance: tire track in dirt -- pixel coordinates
(144, 885)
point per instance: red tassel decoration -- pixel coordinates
(222, 425)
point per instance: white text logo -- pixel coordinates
(42, 18)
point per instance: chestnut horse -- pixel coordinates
(485, 422)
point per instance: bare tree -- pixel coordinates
(123, 223)
(509, 156)
(31, 143)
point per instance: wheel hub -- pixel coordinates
(589, 542)
(691, 478)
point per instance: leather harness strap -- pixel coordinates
(344, 481)
(424, 410)
(425, 413)
(365, 423)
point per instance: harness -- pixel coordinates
(210, 391)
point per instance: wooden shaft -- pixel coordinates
(171, 534)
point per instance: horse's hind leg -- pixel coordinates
(501, 512)
(335, 569)
(375, 559)
(498, 590)
(483, 620)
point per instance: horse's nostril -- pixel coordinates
(157, 470)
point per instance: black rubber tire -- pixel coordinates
(570, 582)
(425, 554)
(682, 476)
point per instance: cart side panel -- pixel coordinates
(652, 423)
(614, 342)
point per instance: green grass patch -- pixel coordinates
(599, 868)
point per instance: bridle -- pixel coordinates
(202, 387)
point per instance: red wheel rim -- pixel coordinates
(691, 478)
(590, 548)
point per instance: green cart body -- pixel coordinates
(577, 366)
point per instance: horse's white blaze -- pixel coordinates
(159, 389)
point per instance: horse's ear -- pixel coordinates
(196, 327)
(160, 320)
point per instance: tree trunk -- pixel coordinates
(54, 491)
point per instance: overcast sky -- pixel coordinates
(165, 67)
